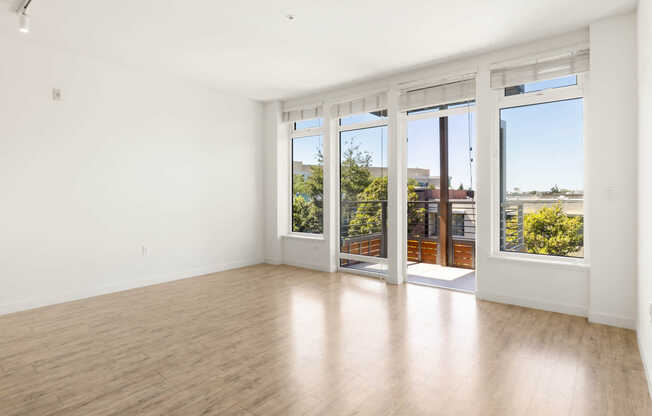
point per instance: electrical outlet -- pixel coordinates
(56, 94)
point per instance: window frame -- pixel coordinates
(338, 135)
(503, 101)
(300, 134)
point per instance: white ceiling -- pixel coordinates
(250, 48)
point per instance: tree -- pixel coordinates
(550, 231)
(554, 189)
(461, 187)
(298, 184)
(354, 171)
(307, 201)
(306, 216)
(369, 215)
(416, 213)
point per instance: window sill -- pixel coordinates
(568, 263)
(304, 236)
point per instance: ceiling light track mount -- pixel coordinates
(23, 17)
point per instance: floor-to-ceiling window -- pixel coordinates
(363, 191)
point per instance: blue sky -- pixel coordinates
(423, 147)
(544, 144)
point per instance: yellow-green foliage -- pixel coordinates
(550, 231)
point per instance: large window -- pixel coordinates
(307, 177)
(363, 190)
(542, 174)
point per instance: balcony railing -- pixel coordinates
(514, 211)
(363, 231)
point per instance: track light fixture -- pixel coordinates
(23, 17)
(23, 20)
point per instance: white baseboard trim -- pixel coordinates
(612, 320)
(272, 261)
(645, 365)
(53, 299)
(576, 310)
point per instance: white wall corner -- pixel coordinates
(644, 358)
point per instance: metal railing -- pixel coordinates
(514, 211)
(363, 230)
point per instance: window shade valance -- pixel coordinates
(453, 92)
(360, 105)
(561, 65)
(306, 113)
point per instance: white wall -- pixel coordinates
(645, 181)
(603, 288)
(612, 175)
(125, 160)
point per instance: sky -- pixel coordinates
(544, 144)
(423, 147)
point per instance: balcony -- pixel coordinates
(364, 230)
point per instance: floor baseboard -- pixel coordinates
(533, 303)
(53, 299)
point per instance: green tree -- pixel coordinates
(298, 184)
(354, 171)
(308, 199)
(368, 216)
(306, 217)
(550, 231)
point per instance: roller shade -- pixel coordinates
(360, 105)
(569, 63)
(453, 92)
(306, 113)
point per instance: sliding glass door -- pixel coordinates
(441, 195)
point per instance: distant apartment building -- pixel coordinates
(422, 176)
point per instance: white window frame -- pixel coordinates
(531, 98)
(299, 134)
(336, 193)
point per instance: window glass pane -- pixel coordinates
(542, 85)
(363, 195)
(423, 189)
(307, 124)
(461, 155)
(307, 185)
(542, 179)
(363, 117)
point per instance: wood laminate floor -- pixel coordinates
(278, 340)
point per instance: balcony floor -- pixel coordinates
(444, 277)
(429, 274)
